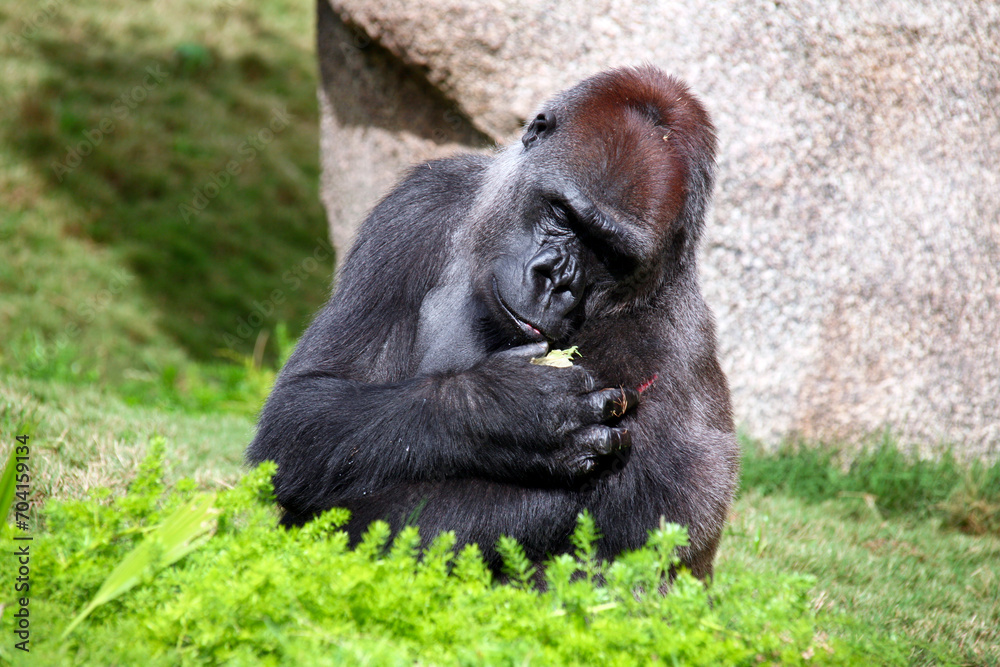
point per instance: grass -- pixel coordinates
(935, 590)
(116, 117)
(83, 438)
(905, 547)
(882, 477)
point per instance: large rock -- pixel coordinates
(853, 255)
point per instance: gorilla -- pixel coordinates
(411, 397)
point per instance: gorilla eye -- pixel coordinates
(562, 218)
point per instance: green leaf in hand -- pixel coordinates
(558, 358)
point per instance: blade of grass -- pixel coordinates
(178, 535)
(7, 485)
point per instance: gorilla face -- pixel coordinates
(541, 278)
(587, 214)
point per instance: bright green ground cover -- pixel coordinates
(254, 594)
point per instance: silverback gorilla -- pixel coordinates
(411, 397)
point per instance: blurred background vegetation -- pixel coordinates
(111, 263)
(161, 236)
(148, 287)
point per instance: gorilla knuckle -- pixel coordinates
(622, 439)
(601, 440)
(614, 439)
(584, 380)
(610, 404)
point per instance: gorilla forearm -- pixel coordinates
(335, 439)
(352, 438)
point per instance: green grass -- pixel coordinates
(905, 547)
(934, 589)
(84, 438)
(884, 479)
(97, 260)
(159, 576)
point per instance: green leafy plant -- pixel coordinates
(257, 594)
(188, 528)
(8, 482)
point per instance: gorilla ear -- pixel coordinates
(543, 124)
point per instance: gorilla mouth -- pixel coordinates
(529, 329)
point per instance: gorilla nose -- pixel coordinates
(556, 278)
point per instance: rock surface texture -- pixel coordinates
(853, 254)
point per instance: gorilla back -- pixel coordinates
(411, 397)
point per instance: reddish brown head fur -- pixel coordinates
(641, 145)
(640, 130)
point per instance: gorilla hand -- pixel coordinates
(563, 423)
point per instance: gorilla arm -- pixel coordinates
(505, 420)
(364, 406)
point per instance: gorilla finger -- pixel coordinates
(583, 379)
(526, 352)
(613, 403)
(603, 440)
(620, 439)
(574, 465)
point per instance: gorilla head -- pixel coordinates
(603, 199)
(412, 389)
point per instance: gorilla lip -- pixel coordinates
(528, 328)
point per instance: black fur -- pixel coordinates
(412, 393)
